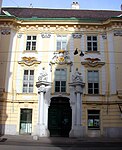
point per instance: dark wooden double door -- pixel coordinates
(59, 117)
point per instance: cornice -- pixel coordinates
(87, 22)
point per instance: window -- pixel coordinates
(28, 81)
(93, 119)
(31, 43)
(91, 43)
(61, 42)
(60, 80)
(93, 82)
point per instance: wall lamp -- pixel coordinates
(76, 52)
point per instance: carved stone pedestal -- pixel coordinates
(41, 131)
(76, 91)
(77, 131)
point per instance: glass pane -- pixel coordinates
(89, 44)
(96, 85)
(89, 38)
(96, 91)
(63, 83)
(58, 45)
(57, 89)
(90, 122)
(57, 72)
(31, 72)
(63, 89)
(90, 91)
(34, 37)
(30, 90)
(64, 45)
(63, 86)
(25, 77)
(25, 72)
(28, 45)
(24, 90)
(57, 83)
(30, 84)
(31, 77)
(94, 38)
(33, 45)
(57, 78)
(94, 46)
(90, 85)
(25, 84)
(28, 37)
(89, 48)
(96, 123)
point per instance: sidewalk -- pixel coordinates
(57, 140)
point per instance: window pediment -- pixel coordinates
(92, 62)
(29, 61)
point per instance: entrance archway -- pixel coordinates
(59, 117)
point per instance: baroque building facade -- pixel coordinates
(61, 72)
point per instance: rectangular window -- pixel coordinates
(31, 43)
(60, 80)
(28, 81)
(93, 82)
(93, 119)
(92, 43)
(61, 42)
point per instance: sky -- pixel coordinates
(66, 4)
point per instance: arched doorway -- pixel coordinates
(59, 117)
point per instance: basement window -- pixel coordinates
(93, 119)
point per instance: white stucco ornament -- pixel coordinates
(77, 77)
(43, 76)
(61, 57)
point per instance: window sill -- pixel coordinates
(60, 93)
(98, 52)
(92, 94)
(30, 51)
(93, 128)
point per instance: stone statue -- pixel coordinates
(77, 77)
(43, 76)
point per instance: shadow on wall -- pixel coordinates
(6, 42)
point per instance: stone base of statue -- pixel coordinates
(77, 131)
(40, 131)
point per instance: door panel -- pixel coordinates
(59, 122)
(26, 121)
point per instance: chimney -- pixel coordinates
(0, 5)
(75, 5)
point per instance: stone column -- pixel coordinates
(41, 92)
(78, 108)
(76, 97)
(41, 127)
